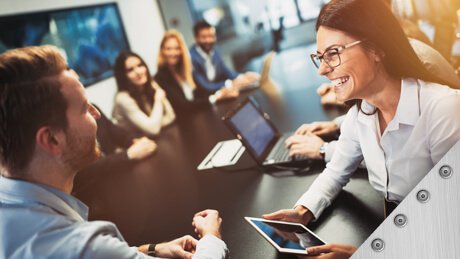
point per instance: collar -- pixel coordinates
(407, 112)
(23, 192)
(203, 54)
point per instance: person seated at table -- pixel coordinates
(306, 140)
(175, 76)
(209, 69)
(403, 121)
(430, 57)
(117, 146)
(48, 134)
(140, 105)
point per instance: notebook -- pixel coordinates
(262, 139)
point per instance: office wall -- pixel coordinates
(143, 25)
(176, 14)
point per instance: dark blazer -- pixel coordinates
(176, 96)
(199, 70)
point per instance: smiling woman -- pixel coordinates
(140, 104)
(175, 75)
(404, 119)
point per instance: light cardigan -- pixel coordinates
(128, 115)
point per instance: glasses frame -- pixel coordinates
(338, 49)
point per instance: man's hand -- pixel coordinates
(207, 222)
(141, 148)
(227, 93)
(299, 214)
(305, 146)
(183, 247)
(318, 128)
(245, 79)
(328, 96)
(330, 251)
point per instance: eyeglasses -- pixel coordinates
(332, 55)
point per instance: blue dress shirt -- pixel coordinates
(38, 221)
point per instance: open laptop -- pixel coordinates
(261, 138)
(264, 74)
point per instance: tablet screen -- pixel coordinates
(285, 235)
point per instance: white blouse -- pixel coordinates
(426, 125)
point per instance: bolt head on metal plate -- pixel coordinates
(445, 171)
(377, 245)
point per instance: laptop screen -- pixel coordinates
(253, 128)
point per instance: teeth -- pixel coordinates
(339, 81)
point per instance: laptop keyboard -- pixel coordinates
(280, 153)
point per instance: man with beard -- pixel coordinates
(47, 134)
(209, 70)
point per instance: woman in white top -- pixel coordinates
(140, 104)
(403, 120)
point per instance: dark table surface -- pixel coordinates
(154, 200)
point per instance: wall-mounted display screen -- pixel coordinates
(90, 37)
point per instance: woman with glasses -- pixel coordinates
(403, 119)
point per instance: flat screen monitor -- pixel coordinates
(90, 37)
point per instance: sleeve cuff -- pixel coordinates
(313, 203)
(330, 148)
(212, 99)
(211, 247)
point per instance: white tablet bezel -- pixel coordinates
(280, 249)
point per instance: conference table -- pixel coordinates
(154, 200)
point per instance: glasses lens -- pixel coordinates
(315, 59)
(332, 57)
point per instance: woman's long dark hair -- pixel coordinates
(373, 21)
(125, 84)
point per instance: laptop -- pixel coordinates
(262, 139)
(264, 75)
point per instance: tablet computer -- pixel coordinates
(287, 237)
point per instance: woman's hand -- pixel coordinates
(330, 251)
(299, 214)
(317, 128)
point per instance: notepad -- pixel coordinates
(224, 153)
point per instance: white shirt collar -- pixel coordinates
(203, 54)
(407, 112)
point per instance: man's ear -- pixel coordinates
(49, 140)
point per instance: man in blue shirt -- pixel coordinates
(47, 134)
(209, 70)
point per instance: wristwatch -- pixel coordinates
(151, 250)
(322, 149)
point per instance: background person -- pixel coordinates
(209, 70)
(141, 105)
(175, 76)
